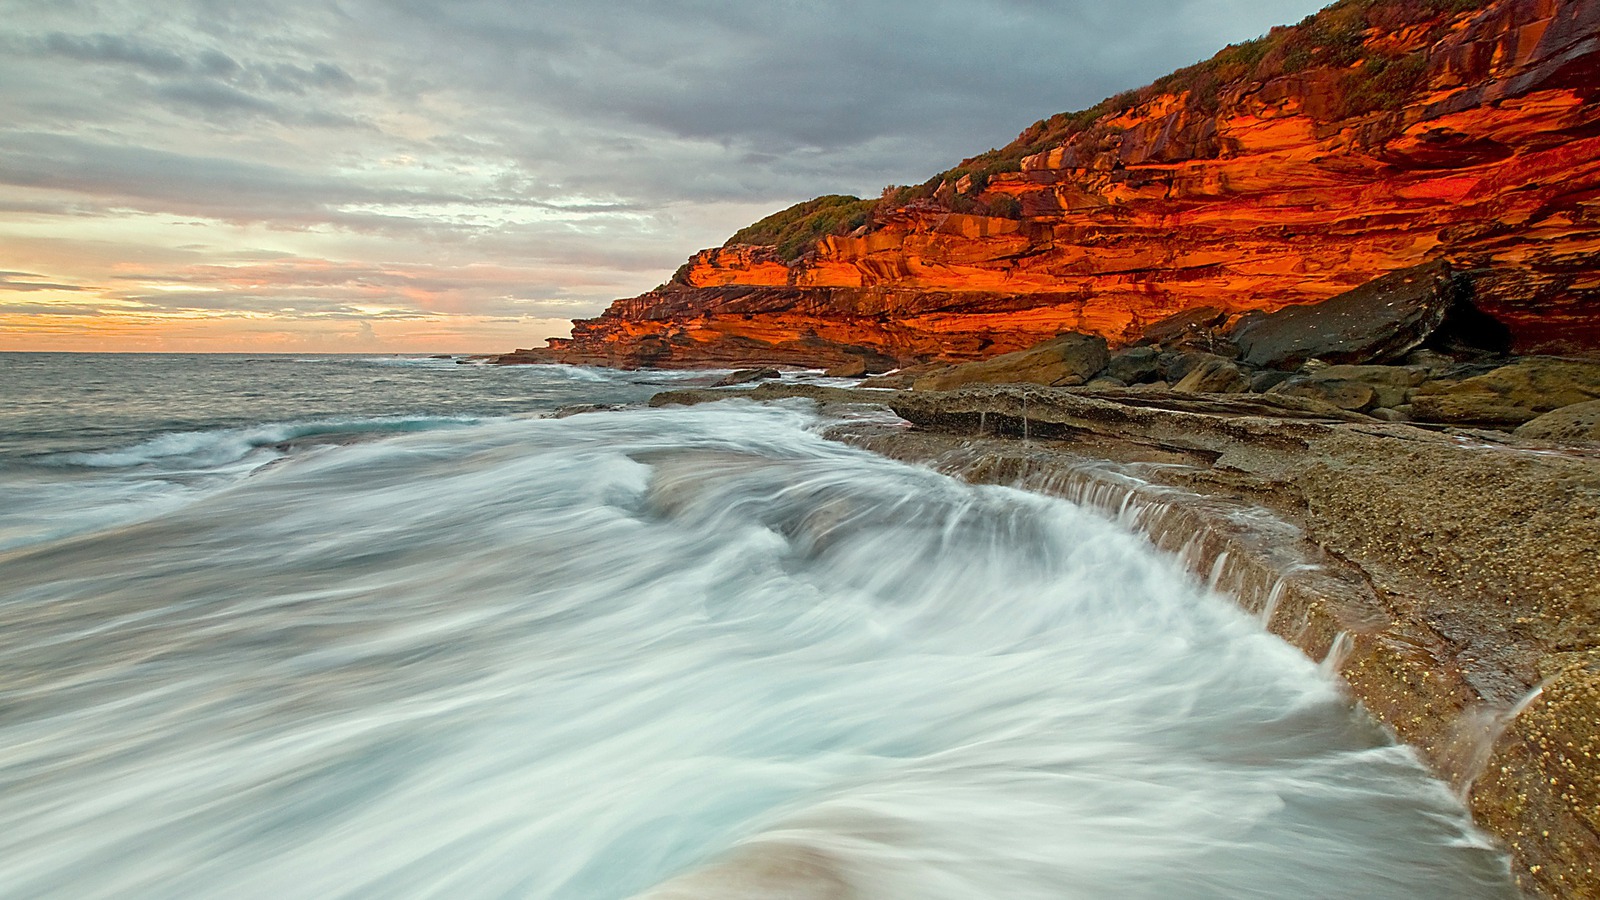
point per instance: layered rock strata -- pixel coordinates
(1471, 137)
(1448, 577)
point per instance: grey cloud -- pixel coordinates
(296, 79)
(112, 49)
(8, 283)
(217, 64)
(50, 309)
(212, 95)
(233, 190)
(115, 49)
(179, 73)
(829, 75)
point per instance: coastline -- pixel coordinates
(1446, 575)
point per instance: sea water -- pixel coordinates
(372, 627)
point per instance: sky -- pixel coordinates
(460, 176)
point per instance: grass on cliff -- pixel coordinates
(795, 229)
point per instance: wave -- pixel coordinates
(415, 362)
(220, 447)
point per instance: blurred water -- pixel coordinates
(474, 653)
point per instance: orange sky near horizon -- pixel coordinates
(112, 333)
(295, 305)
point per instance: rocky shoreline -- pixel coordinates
(1449, 575)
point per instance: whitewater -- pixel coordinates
(371, 627)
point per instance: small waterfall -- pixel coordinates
(1260, 561)
(1474, 737)
(1338, 654)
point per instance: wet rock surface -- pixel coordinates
(1450, 577)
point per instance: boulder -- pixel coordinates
(1213, 376)
(1393, 385)
(1065, 360)
(1174, 366)
(1377, 322)
(1266, 380)
(1509, 395)
(1352, 395)
(1133, 365)
(1102, 383)
(855, 367)
(1569, 424)
(745, 376)
(1192, 327)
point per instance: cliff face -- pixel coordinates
(1374, 136)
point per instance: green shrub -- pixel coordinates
(1005, 206)
(793, 230)
(1383, 83)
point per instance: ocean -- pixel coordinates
(279, 626)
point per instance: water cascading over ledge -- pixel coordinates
(1448, 578)
(1200, 485)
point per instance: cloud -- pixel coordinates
(233, 190)
(114, 49)
(7, 283)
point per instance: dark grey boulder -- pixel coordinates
(1267, 379)
(1213, 376)
(1191, 328)
(1377, 322)
(1134, 365)
(1174, 366)
(745, 376)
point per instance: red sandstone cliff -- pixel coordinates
(1375, 135)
